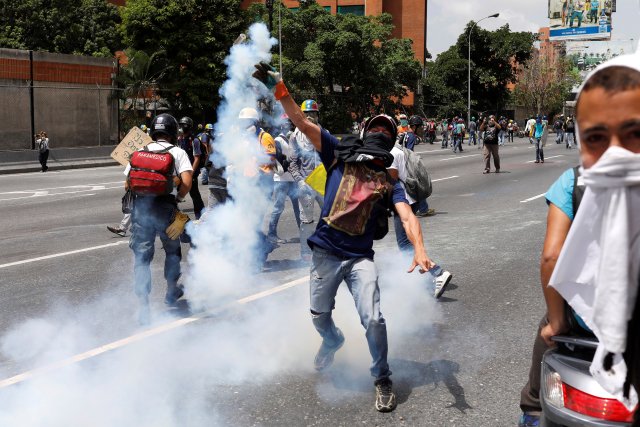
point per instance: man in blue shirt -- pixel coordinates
(342, 244)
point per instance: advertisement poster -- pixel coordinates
(580, 19)
(584, 56)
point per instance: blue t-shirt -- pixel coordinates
(351, 235)
(561, 193)
(409, 140)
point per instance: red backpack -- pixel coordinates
(151, 172)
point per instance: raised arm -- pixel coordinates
(272, 80)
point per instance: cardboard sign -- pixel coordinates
(135, 140)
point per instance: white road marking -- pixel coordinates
(142, 335)
(459, 157)
(47, 192)
(443, 179)
(77, 251)
(532, 198)
(102, 184)
(552, 157)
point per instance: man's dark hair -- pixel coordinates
(614, 79)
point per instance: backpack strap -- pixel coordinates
(578, 191)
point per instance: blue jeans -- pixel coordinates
(472, 137)
(406, 247)
(501, 137)
(150, 217)
(282, 189)
(539, 150)
(360, 274)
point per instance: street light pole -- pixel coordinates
(495, 15)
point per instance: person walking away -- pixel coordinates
(304, 160)
(343, 241)
(490, 129)
(473, 127)
(437, 279)
(558, 127)
(445, 133)
(510, 129)
(155, 208)
(283, 184)
(205, 138)
(42, 142)
(538, 135)
(503, 130)
(528, 129)
(193, 147)
(570, 133)
(458, 137)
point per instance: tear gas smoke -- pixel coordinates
(178, 378)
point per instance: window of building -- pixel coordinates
(354, 10)
(295, 9)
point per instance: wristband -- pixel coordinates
(280, 90)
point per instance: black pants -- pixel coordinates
(198, 204)
(43, 157)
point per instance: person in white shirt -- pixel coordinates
(42, 143)
(153, 214)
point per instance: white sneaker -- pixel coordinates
(441, 283)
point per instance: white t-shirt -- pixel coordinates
(280, 175)
(181, 160)
(400, 164)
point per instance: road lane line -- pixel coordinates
(77, 251)
(459, 157)
(24, 376)
(102, 184)
(532, 198)
(443, 179)
(552, 157)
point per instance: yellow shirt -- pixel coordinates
(269, 146)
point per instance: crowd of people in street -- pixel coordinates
(368, 175)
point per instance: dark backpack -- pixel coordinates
(418, 182)
(578, 191)
(151, 172)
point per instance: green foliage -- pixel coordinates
(495, 56)
(88, 27)
(544, 84)
(347, 63)
(196, 36)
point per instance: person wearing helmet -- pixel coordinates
(152, 214)
(342, 243)
(510, 129)
(403, 125)
(193, 147)
(303, 161)
(144, 129)
(205, 136)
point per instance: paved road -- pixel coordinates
(65, 290)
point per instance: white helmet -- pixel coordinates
(249, 113)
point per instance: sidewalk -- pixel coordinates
(60, 158)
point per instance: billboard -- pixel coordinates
(580, 19)
(584, 56)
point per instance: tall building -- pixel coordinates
(409, 16)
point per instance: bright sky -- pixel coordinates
(447, 18)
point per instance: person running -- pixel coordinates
(490, 128)
(538, 134)
(437, 279)
(342, 244)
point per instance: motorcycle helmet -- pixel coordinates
(416, 121)
(186, 123)
(164, 124)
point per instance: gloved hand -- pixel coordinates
(175, 229)
(271, 79)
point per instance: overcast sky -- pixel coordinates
(447, 18)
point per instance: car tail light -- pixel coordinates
(593, 406)
(552, 386)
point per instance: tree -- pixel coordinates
(348, 63)
(62, 26)
(196, 36)
(544, 84)
(495, 56)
